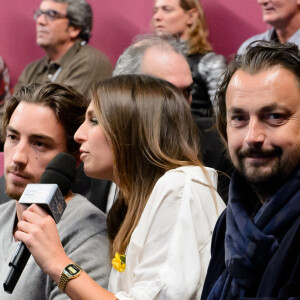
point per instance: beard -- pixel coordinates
(260, 166)
(265, 170)
(15, 189)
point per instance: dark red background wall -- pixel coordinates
(116, 22)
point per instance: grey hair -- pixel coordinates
(80, 14)
(131, 59)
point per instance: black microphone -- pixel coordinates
(55, 184)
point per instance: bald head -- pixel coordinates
(168, 65)
(157, 56)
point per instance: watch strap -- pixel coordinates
(66, 276)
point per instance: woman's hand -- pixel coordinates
(38, 231)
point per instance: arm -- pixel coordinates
(38, 231)
(211, 67)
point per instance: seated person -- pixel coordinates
(185, 19)
(40, 121)
(256, 244)
(284, 17)
(69, 59)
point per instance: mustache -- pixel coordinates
(20, 171)
(252, 151)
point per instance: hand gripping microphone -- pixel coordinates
(49, 194)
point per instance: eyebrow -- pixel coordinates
(264, 109)
(36, 136)
(90, 113)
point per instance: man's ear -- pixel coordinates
(74, 32)
(193, 15)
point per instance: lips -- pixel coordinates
(83, 154)
(18, 176)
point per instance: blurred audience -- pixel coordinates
(185, 19)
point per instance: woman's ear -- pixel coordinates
(193, 15)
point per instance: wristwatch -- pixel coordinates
(70, 272)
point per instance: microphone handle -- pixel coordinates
(17, 264)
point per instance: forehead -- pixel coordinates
(58, 6)
(168, 65)
(276, 85)
(158, 3)
(35, 119)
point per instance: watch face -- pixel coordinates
(72, 269)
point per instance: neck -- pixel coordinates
(286, 31)
(57, 52)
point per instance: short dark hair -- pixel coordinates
(259, 56)
(80, 14)
(68, 105)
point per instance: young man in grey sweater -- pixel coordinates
(39, 122)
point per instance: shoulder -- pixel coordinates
(36, 63)
(189, 186)
(7, 208)
(266, 36)
(190, 173)
(82, 217)
(212, 57)
(93, 54)
(212, 64)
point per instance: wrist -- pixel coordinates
(70, 272)
(57, 268)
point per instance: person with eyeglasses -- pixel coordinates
(63, 30)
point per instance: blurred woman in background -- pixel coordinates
(185, 19)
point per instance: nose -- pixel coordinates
(41, 20)
(80, 134)
(256, 134)
(20, 156)
(262, 2)
(157, 15)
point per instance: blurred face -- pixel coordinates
(170, 18)
(95, 149)
(53, 33)
(263, 124)
(170, 66)
(31, 142)
(279, 13)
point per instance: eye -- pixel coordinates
(94, 121)
(275, 118)
(238, 120)
(11, 137)
(51, 13)
(167, 8)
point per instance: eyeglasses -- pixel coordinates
(50, 14)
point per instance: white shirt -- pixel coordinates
(169, 251)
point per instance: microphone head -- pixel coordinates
(60, 170)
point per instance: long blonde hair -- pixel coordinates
(198, 37)
(150, 128)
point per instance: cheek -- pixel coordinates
(235, 140)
